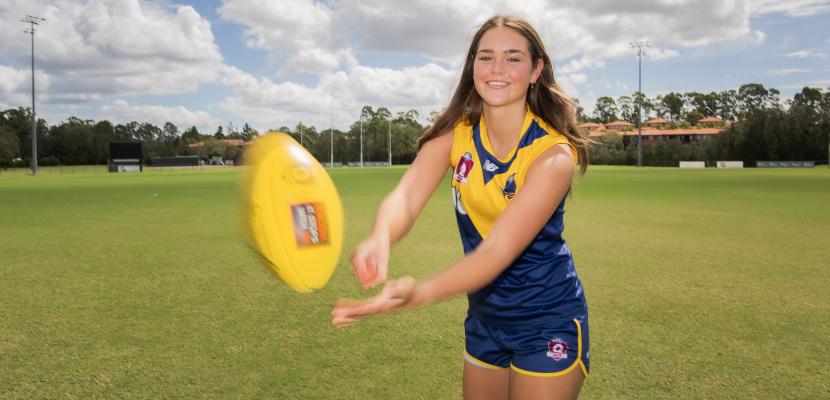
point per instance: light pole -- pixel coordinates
(32, 21)
(638, 48)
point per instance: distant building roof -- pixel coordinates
(710, 119)
(619, 123)
(677, 132)
(655, 121)
(602, 132)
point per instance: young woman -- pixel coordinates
(510, 137)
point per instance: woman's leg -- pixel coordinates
(485, 382)
(563, 387)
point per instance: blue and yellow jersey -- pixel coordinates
(541, 284)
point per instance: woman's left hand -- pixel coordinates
(395, 295)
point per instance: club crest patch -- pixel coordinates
(509, 189)
(557, 349)
(463, 168)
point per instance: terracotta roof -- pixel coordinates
(589, 125)
(657, 121)
(677, 132)
(619, 122)
(710, 119)
(602, 132)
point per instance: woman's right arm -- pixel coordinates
(398, 211)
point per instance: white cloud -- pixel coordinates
(792, 8)
(821, 83)
(300, 34)
(589, 31)
(787, 71)
(16, 86)
(124, 47)
(807, 54)
(122, 112)
(267, 104)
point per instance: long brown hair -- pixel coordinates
(544, 98)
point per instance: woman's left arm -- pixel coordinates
(548, 179)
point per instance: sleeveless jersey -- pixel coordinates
(541, 284)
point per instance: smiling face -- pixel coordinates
(503, 68)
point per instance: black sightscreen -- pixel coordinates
(125, 150)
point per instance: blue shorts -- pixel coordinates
(546, 351)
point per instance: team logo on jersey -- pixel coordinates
(463, 168)
(557, 349)
(509, 189)
(456, 199)
(489, 166)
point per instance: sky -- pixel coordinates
(280, 62)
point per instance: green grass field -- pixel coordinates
(702, 284)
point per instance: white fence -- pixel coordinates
(692, 164)
(785, 164)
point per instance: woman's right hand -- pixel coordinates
(370, 261)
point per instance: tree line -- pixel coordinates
(764, 128)
(78, 141)
(684, 109)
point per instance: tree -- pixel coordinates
(219, 135)
(697, 104)
(646, 106)
(727, 105)
(232, 132)
(808, 97)
(19, 120)
(692, 117)
(383, 113)
(249, 133)
(754, 96)
(191, 135)
(366, 113)
(672, 104)
(9, 146)
(580, 112)
(605, 110)
(627, 109)
(148, 132)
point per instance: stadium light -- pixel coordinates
(639, 49)
(32, 21)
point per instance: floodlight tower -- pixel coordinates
(32, 21)
(639, 49)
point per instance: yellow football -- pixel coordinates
(293, 212)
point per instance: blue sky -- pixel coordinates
(280, 62)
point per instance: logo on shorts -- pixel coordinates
(463, 168)
(557, 349)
